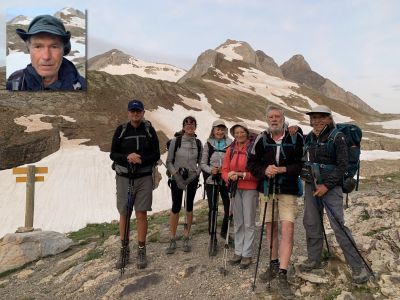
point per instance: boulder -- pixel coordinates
(17, 249)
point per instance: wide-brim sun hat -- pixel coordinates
(320, 109)
(241, 124)
(47, 24)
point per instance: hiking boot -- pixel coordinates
(141, 258)
(283, 286)
(119, 262)
(310, 265)
(360, 275)
(213, 248)
(235, 260)
(245, 262)
(172, 247)
(186, 244)
(270, 273)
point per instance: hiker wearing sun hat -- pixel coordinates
(211, 164)
(47, 42)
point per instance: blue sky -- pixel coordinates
(355, 43)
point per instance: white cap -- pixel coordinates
(321, 109)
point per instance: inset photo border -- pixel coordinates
(26, 70)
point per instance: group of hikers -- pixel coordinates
(263, 167)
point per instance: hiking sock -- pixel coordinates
(284, 271)
(275, 262)
(142, 244)
(122, 243)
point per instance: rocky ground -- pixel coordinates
(86, 270)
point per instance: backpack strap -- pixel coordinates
(124, 126)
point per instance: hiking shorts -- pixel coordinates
(142, 193)
(285, 208)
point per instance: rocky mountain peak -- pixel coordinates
(71, 17)
(20, 20)
(296, 63)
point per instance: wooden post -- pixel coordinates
(30, 196)
(30, 179)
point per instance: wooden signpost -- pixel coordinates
(30, 180)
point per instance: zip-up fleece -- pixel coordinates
(217, 157)
(238, 163)
(185, 156)
(136, 140)
(290, 156)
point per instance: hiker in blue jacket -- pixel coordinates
(47, 42)
(326, 192)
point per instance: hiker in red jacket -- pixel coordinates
(234, 168)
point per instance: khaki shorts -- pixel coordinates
(285, 208)
(142, 193)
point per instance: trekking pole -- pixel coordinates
(129, 208)
(214, 208)
(272, 229)
(232, 193)
(347, 235)
(321, 210)
(266, 195)
(185, 225)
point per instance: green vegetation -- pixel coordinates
(375, 231)
(331, 295)
(93, 254)
(96, 231)
(364, 289)
(364, 215)
(325, 255)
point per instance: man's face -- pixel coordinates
(275, 120)
(318, 121)
(135, 115)
(46, 52)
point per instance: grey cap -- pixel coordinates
(47, 24)
(241, 124)
(218, 122)
(320, 109)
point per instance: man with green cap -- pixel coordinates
(48, 42)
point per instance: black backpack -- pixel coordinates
(121, 170)
(353, 136)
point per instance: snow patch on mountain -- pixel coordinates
(393, 124)
(379, 154)
(34, 123)
(229, 51)
(146, 69)
(389, 135)
(20, 20)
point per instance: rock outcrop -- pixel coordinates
(18, 249)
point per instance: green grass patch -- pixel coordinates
(364, 215)
(96, 231)
(363, 289)
(332, 295)
(375, 231)
(93, 254)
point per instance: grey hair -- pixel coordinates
(274, 107)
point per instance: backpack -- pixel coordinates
(178, 143)
(211, 150)
(353, 136)
(282, 152)
(121, 170)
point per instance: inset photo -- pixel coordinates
(46, 49)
